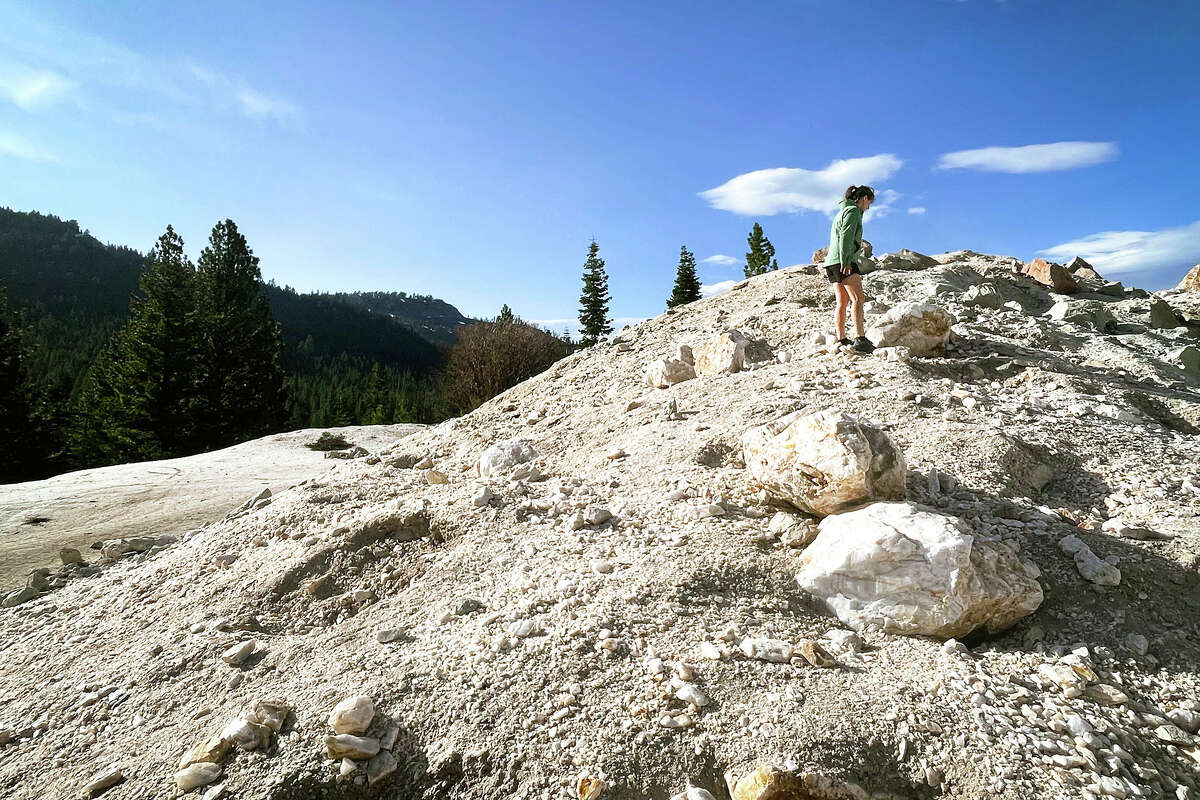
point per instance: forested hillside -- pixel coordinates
(343, 363)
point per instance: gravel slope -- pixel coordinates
(515, 649)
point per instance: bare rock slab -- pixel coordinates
(824, 461)
(916, 572)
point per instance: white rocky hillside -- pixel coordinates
(963, 567)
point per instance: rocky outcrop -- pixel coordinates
(722, 355)
(1162, 316)
(922, 328)
(985, 295)
(1053, 275)
(824, 461)
(912, 571)
(1084, 313)
(906, 260)
(1191, 281)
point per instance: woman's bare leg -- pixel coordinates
(853, 284)
(843, 299)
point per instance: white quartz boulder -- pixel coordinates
(501, 457)
(917, 572)
(824, 461)
(722, 355)
(924, 329)
(667, 372)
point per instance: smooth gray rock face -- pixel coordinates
(915, 572)
(824, 461)
(924, 329)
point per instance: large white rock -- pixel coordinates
(824, 461)
(668, 371)
(916, 572)
(501, 457)
(924, 329)
(722, 355)
(352, 715)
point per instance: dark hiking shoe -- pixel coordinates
(863, 345)
(845, 341)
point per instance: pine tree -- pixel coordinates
(506, 315)
(14, 403)
(593, 303)
(243, 379)
(762, 253)
(687, 285)
(142, 396)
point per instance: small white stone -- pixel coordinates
(238, 653)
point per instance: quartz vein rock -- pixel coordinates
(503, 456)
(915, 572)
(923, 328)
(824, 461)
(667, 372)
(723, 355)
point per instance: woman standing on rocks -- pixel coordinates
(841, 263)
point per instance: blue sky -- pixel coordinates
(471, 150)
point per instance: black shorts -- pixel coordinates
(834, 272)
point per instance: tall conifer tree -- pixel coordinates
(593, 302)
(762, 253)
(142, 395)
(687, 285)
(14, 396)
(243, 388)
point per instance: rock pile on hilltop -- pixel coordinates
(963, 566)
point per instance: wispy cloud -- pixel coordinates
(713, 289)
(884, 204)
(31, 89)
(787, 189)
(917, 210)
(250, 102)
(16, 146)
(1122, 252)
(43, 62)
(1031, 157)
(721, 260)
(263, 106)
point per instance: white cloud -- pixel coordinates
(1031, 157)
(785, 189)
(917, 210)
(262, 106)
(17, 146)
(713, 289)
(251, 102)
(1118, 252)
(32, 89)
(883, 204)
(721, 260)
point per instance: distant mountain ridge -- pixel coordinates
(434, 319)
(75, 291)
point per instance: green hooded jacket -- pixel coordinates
(845, 235)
